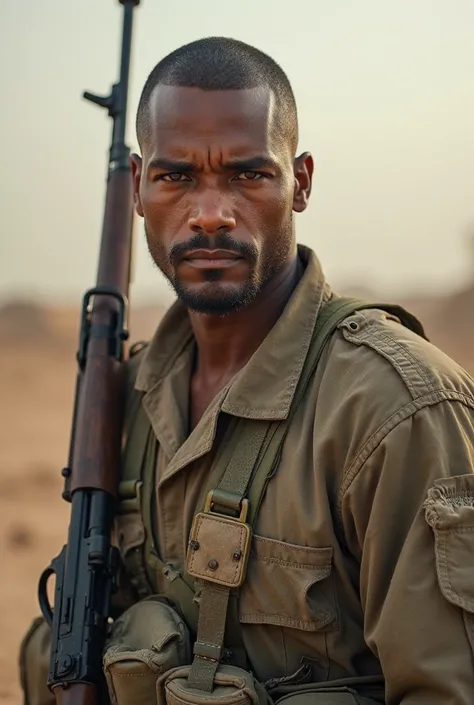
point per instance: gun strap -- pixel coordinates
(136, 516)
(131, 529)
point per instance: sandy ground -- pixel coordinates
(36, 388)
(37, 370)
(37, 373)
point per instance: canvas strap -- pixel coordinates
(220, 538)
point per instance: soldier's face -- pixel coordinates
(216, 186)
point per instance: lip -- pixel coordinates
(211, 259)
(210, 255)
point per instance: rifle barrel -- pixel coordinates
(86, 568)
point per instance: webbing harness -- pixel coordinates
(238, 480)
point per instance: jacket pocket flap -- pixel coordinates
(288, 585)
(449, 510)
(293, 556)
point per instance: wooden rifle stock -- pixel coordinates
(86, 568)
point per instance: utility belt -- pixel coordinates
(141, 671)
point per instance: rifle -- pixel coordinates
(86, 567)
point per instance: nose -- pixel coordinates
(211, 215)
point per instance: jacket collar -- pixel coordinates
(264, 388)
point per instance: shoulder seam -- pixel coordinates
(376, 438)
(394, 351)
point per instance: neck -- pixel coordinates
(226, 344)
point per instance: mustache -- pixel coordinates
(221, 241)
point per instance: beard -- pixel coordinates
(216, 296)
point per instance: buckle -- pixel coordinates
(219, 545)
(228, 500)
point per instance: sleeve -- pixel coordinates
(409, 513)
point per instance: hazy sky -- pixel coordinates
(385, 90)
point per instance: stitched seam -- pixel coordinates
(320, 298)
(442, 562)
(464, 602)
(403, 413)
(441, 537)
(245, 412)
(386, 427)
(308, 332)
(469, 625)
(294, 546)
(293, 380)
(408, 356)
(201, 449)
(367, 340)
(444, 577)
(146, 381)
(308, 550)
(256, 618)
(134, 675)
(288, 564)
(241, 547)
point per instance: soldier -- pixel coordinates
(355, 474)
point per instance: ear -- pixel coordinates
(136, 164)
(303, 169)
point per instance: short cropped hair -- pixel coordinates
(221, 63)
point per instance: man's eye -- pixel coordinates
(174, 177)
(250, 176)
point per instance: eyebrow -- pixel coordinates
(170, 165)
(250, 164)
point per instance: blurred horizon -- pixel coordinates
(386, 106)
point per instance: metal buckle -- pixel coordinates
(225, 499)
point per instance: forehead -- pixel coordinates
(182, 118)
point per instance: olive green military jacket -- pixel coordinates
(363, 557)
(362, 561)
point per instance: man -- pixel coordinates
(359, 586)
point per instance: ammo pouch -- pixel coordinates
(232, 686)
(146, 641)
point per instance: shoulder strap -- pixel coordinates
(137, 432)
(342, 307)
(243, 483)
(331, 316)
(333, 313)
(239, 480)
(135, 513)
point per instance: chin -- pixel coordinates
(217, 299)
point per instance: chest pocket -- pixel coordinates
(287, 608)
(289, 586)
